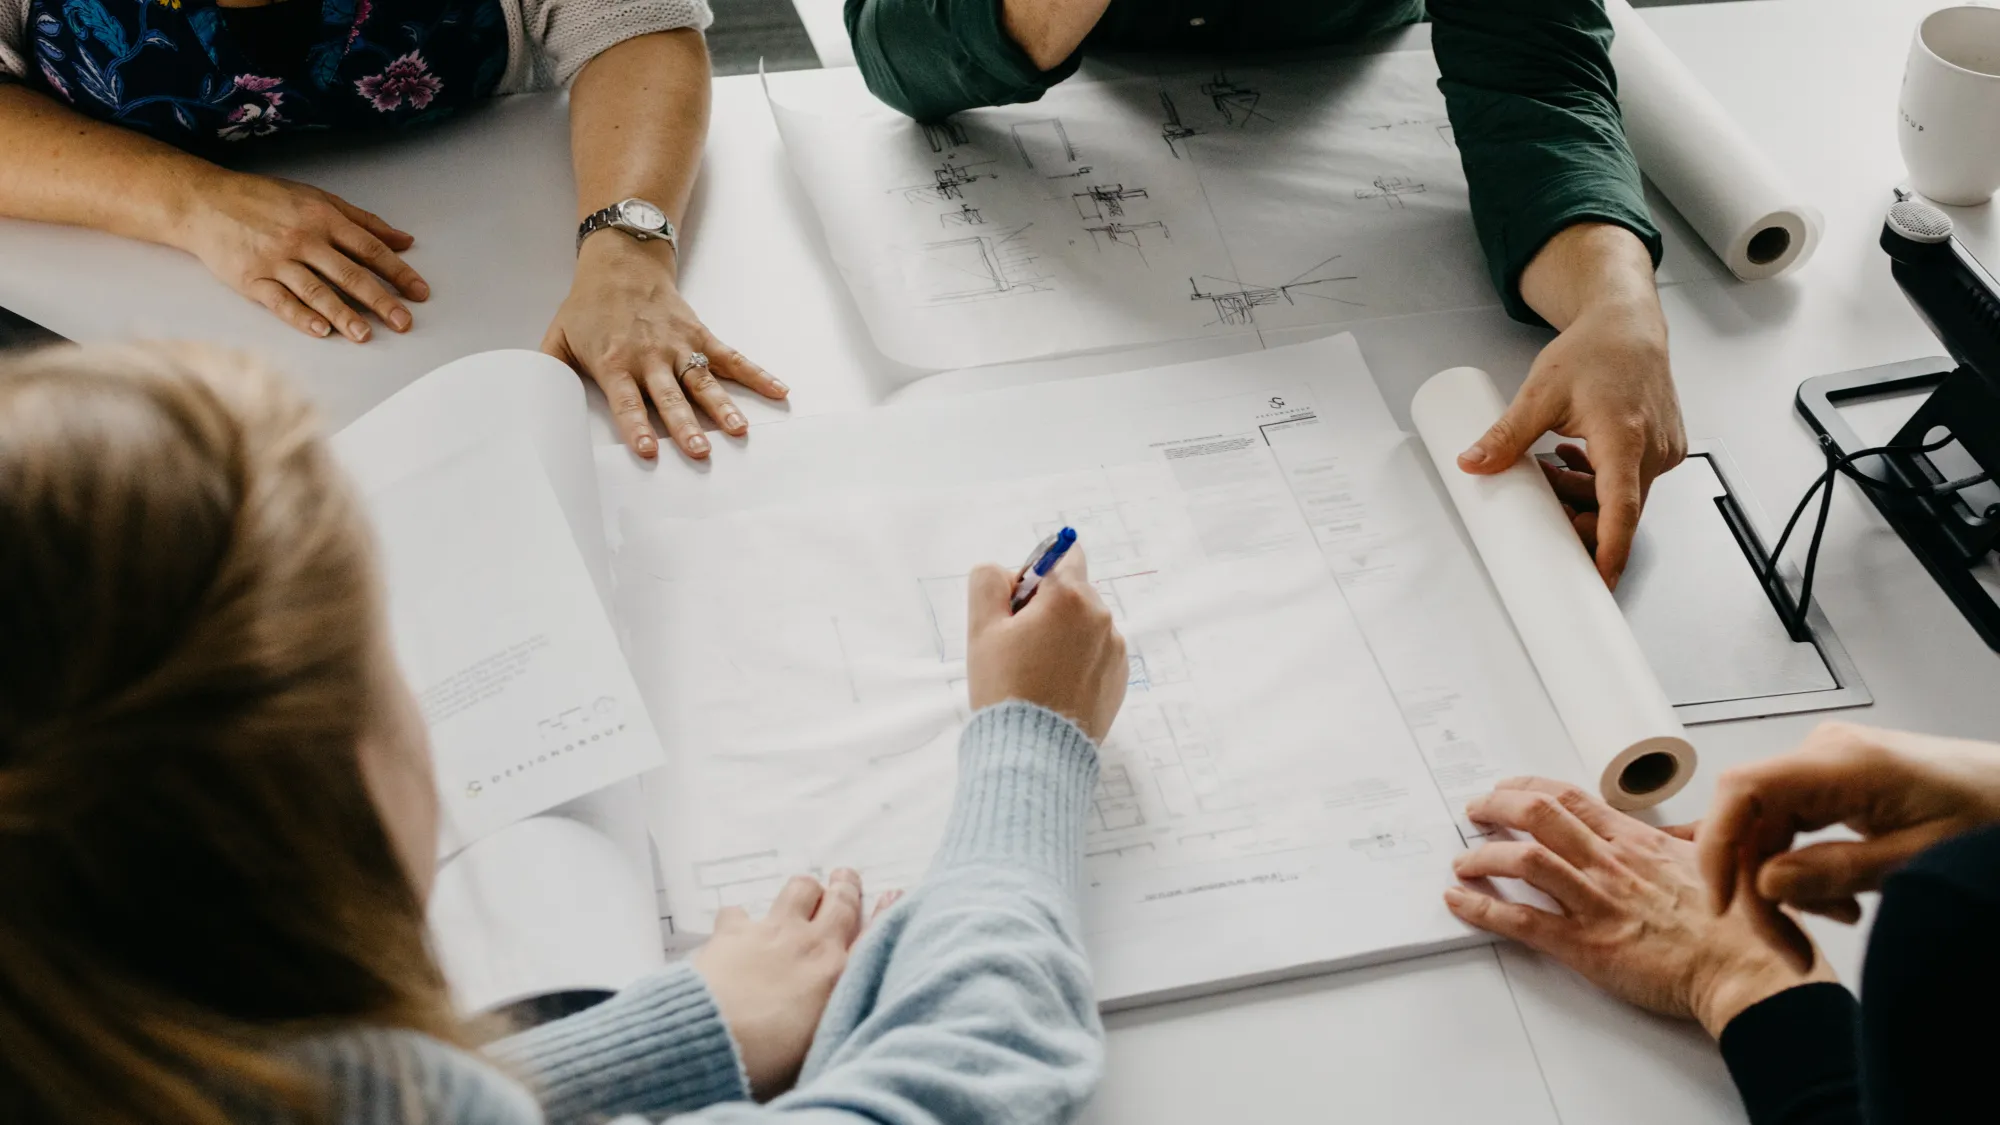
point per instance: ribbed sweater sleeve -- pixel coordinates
(1024, 785)
(659, 1047)
(380, 1076)
(971, 1001)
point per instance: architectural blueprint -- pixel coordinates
(1137, 210)
(1317, 678)
(1126, 210)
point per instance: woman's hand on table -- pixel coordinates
(1902, 792)
(1634, 915)
(307, 255)
(626, 326)
(1062, 650)
(771, 978)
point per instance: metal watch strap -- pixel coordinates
(595, 223)
(606, 217)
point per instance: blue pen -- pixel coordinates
(1046, 555)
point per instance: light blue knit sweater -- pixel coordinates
(969, 1002)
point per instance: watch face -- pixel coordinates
(642, 214)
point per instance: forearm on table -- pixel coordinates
(1534, 109)
(1050, 30)
(1585, 264)
(63, 167)
(638, 120)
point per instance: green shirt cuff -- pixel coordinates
(933, 58)
(1523, 234)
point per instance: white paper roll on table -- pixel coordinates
(1603, 690)
(1694, 152)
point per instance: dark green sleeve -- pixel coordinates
(932, 58)
(1534, 107)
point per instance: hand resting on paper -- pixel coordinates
(638, 115)
(1061, 651)
(626, 326)
(771, 978)
(1605, 378)
(1635, 919)
(1901, 792)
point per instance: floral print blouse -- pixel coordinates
(173, 69)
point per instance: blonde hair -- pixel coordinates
(191, 869)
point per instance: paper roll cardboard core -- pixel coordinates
(1648, 773)
(1768, 245)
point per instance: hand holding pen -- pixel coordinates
(1060, 650)
(1043, 559)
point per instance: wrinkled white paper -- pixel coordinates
(1139, 210)
(1318, 679)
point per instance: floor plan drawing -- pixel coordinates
(1158, 206)
(944, 601)
(1267, 769)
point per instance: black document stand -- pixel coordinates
(1947, 535)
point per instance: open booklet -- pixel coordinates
(479, 481)
(1320, 676)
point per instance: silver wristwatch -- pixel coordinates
(636, 217)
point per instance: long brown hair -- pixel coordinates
(191, 869)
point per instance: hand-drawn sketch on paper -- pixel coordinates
(1391, 190)
(979, 268)
(948, 181)
(1172, 130)
(944, 135)
(966, 216)
(1046, 139)
(1235, 102)
(1131, 236)
(1105, 201)
(1237, 303)
(1261, 164)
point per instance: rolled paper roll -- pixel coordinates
(1607, 696)
(1700, 159)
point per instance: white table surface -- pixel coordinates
(1495, 1036)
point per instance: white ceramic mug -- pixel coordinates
(1950, 111)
